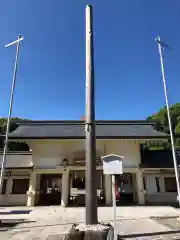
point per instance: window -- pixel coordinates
(157, 184)
(4, 186)
(20, 186)
(170, 184)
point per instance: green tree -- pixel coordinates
(12, 146)
(162, 124)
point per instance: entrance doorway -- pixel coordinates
(124, 189)
(77, 188)
(50, 189)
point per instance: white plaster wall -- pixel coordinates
(49, 154)
(128, 149)
(151, 184)
(46, 154)
(154, 197)
(161, 198)
(14, 200)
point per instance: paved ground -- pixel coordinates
(51, 222)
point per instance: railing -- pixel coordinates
(17, 159)
(17, 152)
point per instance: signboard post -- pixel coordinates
(112, 165)
(114, 205)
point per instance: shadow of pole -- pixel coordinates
(148, 234)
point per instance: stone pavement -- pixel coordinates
(132, 222)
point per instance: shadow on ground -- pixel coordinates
(137, 235)
(8, 224)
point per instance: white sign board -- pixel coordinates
(112, 164)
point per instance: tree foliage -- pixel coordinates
(12, 146)
(162, 124)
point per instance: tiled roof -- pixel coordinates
(76, 130)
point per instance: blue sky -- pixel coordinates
(51, 76)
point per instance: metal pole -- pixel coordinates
(10, 112)
(169, 117)
(114, 205)
(91, 190)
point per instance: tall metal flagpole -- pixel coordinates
(17, 42)
(91, 190)
(160, 45)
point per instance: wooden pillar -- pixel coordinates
(140, 187)
(108, 189)
(32, 190)
(65, 188)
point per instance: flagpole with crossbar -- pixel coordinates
(17, 42)
(160, 48)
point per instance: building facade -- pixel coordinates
(159, 176)
(53, 172)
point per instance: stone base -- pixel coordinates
(88, 232)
